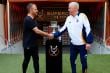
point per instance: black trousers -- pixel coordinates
(28, 52)
(74, 50)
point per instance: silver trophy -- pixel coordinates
(54, 26)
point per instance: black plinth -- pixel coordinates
(53, 56)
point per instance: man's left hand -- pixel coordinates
(88, 46)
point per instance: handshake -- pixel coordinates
(50, 36)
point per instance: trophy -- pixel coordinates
(54, 26)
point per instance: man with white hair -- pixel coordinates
(78, 27)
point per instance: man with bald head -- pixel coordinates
(30, 33)
(78, 27)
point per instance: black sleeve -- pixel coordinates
(31, 24)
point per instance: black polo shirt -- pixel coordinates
(29, 36)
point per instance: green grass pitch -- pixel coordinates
(96, 64)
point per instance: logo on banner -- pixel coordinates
(53, 51)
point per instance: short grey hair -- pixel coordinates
(29, 6)
(74, 4)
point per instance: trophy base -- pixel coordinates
(53, 56)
